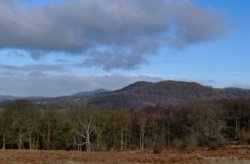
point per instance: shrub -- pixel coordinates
(216, 142)
(192, 143)
(178, 143)
(244, 136)
(157, 148)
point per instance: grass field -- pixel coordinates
(231, 155)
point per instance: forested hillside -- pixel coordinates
(212, 124)
(164, 93)
(139, 95)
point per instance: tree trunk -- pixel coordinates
(3, 147)
(30, 141)
(37, 143)
(99, 138)
(74, 140)
(168, 135)
(48, 137)
(88, 144)
(98, 141)
(122, 140)
(142, 139)
(20, 141)
(236, 129)
(248, 126)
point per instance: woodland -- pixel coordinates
(190, 125)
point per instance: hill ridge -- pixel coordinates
(168, 92)
(142, 93)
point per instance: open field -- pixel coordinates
(231, 155)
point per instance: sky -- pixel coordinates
(60, 47)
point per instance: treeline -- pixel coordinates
(213, 124)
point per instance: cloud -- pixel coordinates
(15, 53)
(36, 54)
(34, 68)
(38, 84)
(110, 60)
(130, 30)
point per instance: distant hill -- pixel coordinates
(141, 94)
(74, 100)
(5, 98)
(90, 93)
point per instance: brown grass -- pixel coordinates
(231, 155)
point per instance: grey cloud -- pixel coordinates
(36, 54)
(111, 60)
(33, 67)
(81, 26)
(190, 27)
(36, 74)
(60, 60)
(14, 54)
(209, 82)
(45, 85)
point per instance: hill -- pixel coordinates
(139, 95)
(5, 98)
(74, 100)
(90, 93)
(164, 93)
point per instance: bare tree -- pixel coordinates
(83, 127)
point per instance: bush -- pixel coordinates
(216, 142)
(178, 143)
(192, 143)
(244, 136)
(157, 148)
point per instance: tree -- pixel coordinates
(18, 117)
(102, 118)
(205, 122)
(142, 128)
(83, 124)
(49, 127)
(31, 123)
(5, 121)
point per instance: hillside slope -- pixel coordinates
(141, 94)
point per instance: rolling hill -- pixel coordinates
(141, 94)
(90, 93)
(5, 98)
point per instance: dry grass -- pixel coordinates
(231, 155)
